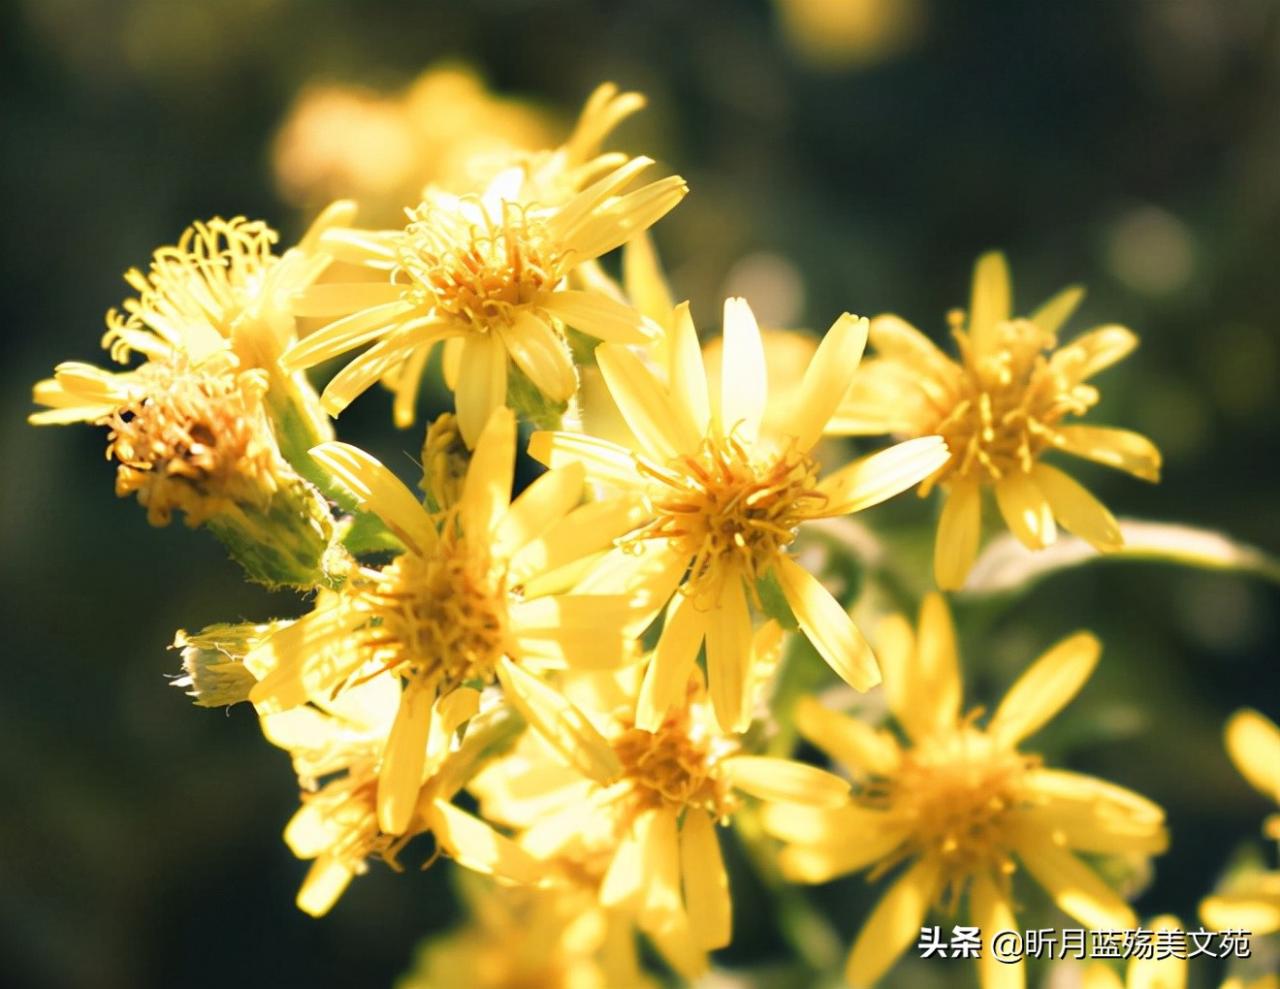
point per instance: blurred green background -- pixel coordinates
(1133, 147)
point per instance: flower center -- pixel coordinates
(442, 618)
(954, 794)
(209, 277)
(675, 766)
(476, 268)
(193, 438)
(726, 511)
(1008, 402)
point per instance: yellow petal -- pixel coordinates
(1119, 448)
(540, 353)
(472, 843)
(325, 882)
(879, 476)
(894, 925)
(557, 612)
(596, 315)
(744, 384)
(544, 502)
(813, 826)
(828, 626)
(728, 634)
(1242, 911)
(660, 424)
(486, 492)
(896, 651)
(959, 531)
(561, 724)
(343, 335)
(616, 222)
(624, 880)
(1098, 976)
(379, 491)
(826, 379)
(339, 298)
(1026, 510)
(934, 687)
(1075, 888)
(660, 903)
(991, 912)
(1159, 973)
(991, 302)
(894, 337)
(643, 280)
(584, 531)
(605, 462)
(400, 776)
(688, 375)
(1053, 315)
(482, 384)
(673, 660)
(1076, 509)
(785, 780)
(306, 658)
(816, 864)
(1254, 745)
(1092, 352)
(1045, 688)
(706, 884)
(853, 744)
(451, 361)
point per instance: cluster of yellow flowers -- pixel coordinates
(537, 658)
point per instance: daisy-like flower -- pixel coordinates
(336, 745)
(1008, 400)
(648, 841)
(723, 498)
(490, 275)
(556, 938)
(1252, 901)
(959, 805)
(459, 608)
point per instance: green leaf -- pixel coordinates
(366, 533)
(1006, 566)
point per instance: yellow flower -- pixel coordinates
(1160, 973)
(220, 294)
(445, 128)
(1002, 406)
(530, 939)
(459, 608)
(958, 804)
(1252, 901)
(723, 498)
(647, 841)
(489, 274)
(339, 741)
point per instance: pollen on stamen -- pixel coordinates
(440, 619)
(728, 511)
(475, 267)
